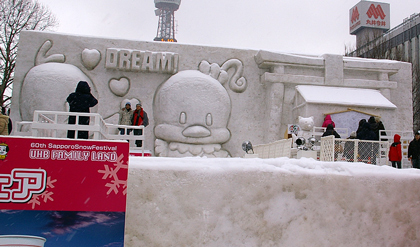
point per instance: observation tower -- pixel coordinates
(166, 27)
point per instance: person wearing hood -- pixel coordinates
(330, 131)
(80, 101)
(366, 133)
(328, 121)
(360, 127)
(414, 150)
(395, 154)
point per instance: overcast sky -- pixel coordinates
(290, 26)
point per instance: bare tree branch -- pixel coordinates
(16, 16)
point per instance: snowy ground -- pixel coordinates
(270, 202)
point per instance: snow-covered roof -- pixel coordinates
(344, 96)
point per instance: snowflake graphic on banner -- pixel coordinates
(112, 173)
(45, 196)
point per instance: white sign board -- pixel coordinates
(369, 14)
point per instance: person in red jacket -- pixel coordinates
(327, 121)
(395, 155)
(139, 118)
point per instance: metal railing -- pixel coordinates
(55, 124)
(280, 148)
(354, 150)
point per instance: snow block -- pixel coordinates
(270, 202)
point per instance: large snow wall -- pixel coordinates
(273, 202)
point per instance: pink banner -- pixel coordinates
(63, 174)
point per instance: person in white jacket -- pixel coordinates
(126, 115)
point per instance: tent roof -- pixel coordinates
(350, 109)
(344, 96)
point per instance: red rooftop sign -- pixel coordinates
(369, 14)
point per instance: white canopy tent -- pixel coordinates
(344, 96)
(317, 100)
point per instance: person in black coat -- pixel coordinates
(361, 122)
(381, 126)
(80, 101)
(374, 127)
(366, 133)
(367, 150)
(330, 131)
(414, 151)
(337, 147)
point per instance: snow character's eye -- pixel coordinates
(209, 119)
(183, 118)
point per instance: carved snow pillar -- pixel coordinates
(276, 99)
(334, 69)
(280, 74)
(383, 76)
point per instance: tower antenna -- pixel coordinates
(166, 26)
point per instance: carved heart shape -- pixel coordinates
(119, 87)
(90, 58)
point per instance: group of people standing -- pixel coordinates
(82, 100)
(131, 117)
(371, 130)
(367, 130)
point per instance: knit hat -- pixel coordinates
(128, 103)
(417, 132)
(138, 104)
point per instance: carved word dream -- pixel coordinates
(29, 182)
(141, 61)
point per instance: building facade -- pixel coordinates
(400, 43)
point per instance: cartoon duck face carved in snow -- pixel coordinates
(191, 111)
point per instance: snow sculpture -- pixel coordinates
(119, 87)
(237, 83)
(42, 57)
(192, 110)
(90, 58)
(47, 85)
(306, 124)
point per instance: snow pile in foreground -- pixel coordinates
(270, 202)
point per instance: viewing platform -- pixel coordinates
(55, 124)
